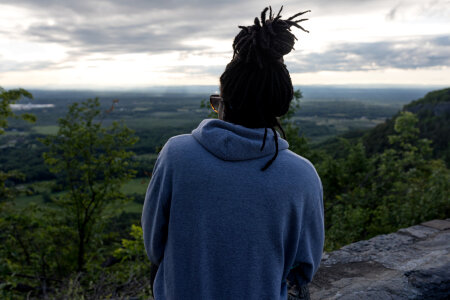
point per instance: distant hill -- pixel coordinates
(433, 112)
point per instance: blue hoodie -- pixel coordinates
(219, 227)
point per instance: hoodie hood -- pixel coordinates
(233, 142)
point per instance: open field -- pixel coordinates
(45, 129)
(136, 186)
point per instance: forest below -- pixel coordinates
(73, 175)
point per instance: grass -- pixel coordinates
(148, 156)
(342, 124)
(154, 123)
(23, 201)
(15, 133)
(46, 129)
(133, 207)
(136, 186)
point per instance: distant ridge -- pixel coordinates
(433, 112)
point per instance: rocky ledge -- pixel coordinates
(412, 263)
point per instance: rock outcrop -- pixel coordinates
(412, 263)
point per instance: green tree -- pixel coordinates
(297, 143)
(15, 251)
(93, 162)
(127, 274)
(33, 248)
(412, 187)
(344, 181)
(6, 99)
(398, 188)
(11, 97)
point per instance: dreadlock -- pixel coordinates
(256, 86)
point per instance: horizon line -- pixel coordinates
(197, 86)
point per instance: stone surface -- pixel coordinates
(418, 231)
(438, 224)
(412, 263)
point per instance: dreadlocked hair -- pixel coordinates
(256, 86)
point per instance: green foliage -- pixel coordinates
(433, 112)
(134, 250)
(42, 246)
(11, 97)
(93, 162)
(433, 97)
(8, 191)
(397, 188)
(134, 258)
(33, 247)
(14, 240)
(26, 149)
(342, 175)
(126, 274)
(297, 142)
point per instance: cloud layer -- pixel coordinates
(201, 28)
(425, 52)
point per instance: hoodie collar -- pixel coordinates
(233, 142)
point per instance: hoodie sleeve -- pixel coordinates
(155, 213)
(310, 243)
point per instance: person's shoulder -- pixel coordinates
(180, 146)
(298, 161)
(177, 144)
(180, 140)
(297, 165)
(172, 151)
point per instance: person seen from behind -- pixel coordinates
(230, 211)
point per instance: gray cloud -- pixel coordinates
(442, 40)
(13, 66)
(195, 70)
(135, 38)
(413, 10)
(143, 26)
(426, 52)
(137, 26)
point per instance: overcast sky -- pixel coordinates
(141, 43)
